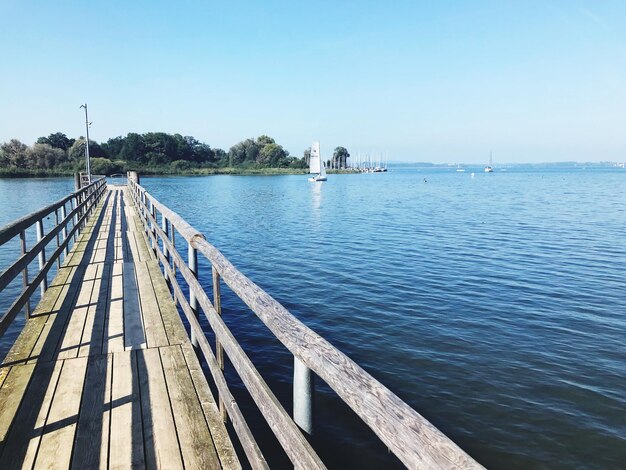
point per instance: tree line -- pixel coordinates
(152, 150)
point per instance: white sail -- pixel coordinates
(315, 160)
(323, 170)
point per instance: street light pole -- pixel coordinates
(87, 123)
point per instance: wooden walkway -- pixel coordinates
(103, 374)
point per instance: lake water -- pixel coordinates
(494, 305)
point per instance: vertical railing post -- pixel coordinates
(75, 217)
(41, 256)
(173, 239)
(155, 241)
(63, 216)
(56, 219)
(149, 223)
(166, 253)
(219, 350)
(79, 201)
(303, 395)
(193, 302)
(78, 212)
(25, 271)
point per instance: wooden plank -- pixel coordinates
(55, 448)
(91, 341)
(11, 393)
(127, 440)
(78, 253)
(172, 322)
(134, 336)
(24, 437)
(161, 443)
(141, 237)
(120, 216)
(195, 440)
(46, 347)
(132, 245)
(219, 434)
(153, 323)
(4, 371)
(142, 244)
(92, 434)
(114, 336)
(71, 341)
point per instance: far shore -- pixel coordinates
(24, 173)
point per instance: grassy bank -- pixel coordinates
(13, 172)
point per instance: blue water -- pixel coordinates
(493, 305)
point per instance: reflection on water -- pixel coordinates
(316, 199)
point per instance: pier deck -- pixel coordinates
(103, 373)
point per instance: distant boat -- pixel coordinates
(459, 169)
(316, 165)
(489, 168)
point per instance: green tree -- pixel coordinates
(307, 155)
(76, 153)
(264, 140)
(113, 146)
(104, 166)
(57, 140)
(272, 155)
(221, 157)
(246, 150)
(134, 149)
(45, 156)
(180, 165)
(340, 157)
(15, 153)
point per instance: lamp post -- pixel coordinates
(87, 124)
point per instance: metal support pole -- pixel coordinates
(42, 257)
(303, 391)
(87, 163)
(219, 350)
(25, 271)
(193, 302)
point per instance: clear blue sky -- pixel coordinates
(424, 81)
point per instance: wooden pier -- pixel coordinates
(105, 375)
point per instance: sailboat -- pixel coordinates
(489, 168)
(316, 165)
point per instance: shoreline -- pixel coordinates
(19, 173)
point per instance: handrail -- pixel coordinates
(12, 229)
(412, 438)
(82, 205)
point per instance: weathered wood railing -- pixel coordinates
(414, 440)
(67, 225)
